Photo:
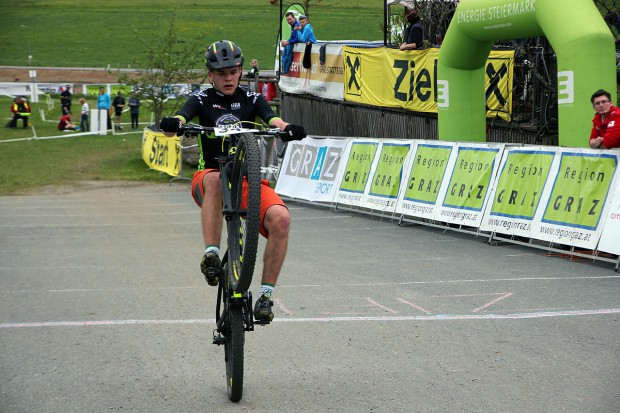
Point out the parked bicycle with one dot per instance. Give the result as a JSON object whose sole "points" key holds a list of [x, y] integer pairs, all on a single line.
{"points": [[239, 166]]}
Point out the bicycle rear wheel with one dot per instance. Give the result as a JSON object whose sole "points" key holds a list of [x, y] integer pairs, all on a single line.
{"points": [[235, 340], [243, 227]]}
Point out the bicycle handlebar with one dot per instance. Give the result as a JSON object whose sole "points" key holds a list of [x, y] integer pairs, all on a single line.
{"points": [[195, 129]]}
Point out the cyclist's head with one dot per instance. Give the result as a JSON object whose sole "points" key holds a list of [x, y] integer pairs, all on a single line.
{"points": [[225, 64], [223, 54]]}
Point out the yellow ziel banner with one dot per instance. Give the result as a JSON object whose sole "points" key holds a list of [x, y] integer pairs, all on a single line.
{"points": [[162, 153], [408, 79]]}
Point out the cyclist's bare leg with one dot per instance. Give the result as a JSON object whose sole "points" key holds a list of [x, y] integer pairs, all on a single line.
{"points": [[211, 210], [277, 223]]}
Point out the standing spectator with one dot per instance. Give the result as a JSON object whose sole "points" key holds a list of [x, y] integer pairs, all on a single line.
{"points": [[65, 124], [21, 110], [306, 32], [84, 124], [134, 109], [254, 68], [65, 100], [103, 103], [287, 53], [414, 34], [605, 132], [119, 104]]}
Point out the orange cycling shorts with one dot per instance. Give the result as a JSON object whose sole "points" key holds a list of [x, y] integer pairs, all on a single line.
{"points": [[268, 196]]}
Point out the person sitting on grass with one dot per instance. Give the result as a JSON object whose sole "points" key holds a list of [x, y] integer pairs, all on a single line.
{"points": [[65, 124]]}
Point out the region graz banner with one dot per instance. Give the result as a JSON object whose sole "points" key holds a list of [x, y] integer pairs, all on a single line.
{"points": [[162, 153], [361, 158], [425, 178], [408, 79], [516, 197], [577, 199], [469, 176]]}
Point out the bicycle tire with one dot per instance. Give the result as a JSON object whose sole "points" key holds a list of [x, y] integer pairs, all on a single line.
{"points": [[243, 231], [235, 340]]}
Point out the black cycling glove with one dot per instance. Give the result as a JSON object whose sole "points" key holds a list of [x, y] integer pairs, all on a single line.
{"points": [[295, 133], [170, 124]]}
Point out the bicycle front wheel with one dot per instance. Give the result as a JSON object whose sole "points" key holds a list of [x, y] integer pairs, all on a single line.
{"points": [[235, 340], [243, 227]]}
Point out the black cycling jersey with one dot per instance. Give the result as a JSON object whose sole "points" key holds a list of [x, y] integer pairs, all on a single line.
{"points": [[216, 109]]}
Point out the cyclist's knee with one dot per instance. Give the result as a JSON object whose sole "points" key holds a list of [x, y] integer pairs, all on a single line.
{"points": [[211, 183], [277, 220]]}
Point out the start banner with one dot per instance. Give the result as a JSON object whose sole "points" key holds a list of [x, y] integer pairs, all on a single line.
{"points": [[162, 153], [408, 79]]}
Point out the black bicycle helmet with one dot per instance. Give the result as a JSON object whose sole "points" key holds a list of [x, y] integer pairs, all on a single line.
{"points": [[222, 54]]}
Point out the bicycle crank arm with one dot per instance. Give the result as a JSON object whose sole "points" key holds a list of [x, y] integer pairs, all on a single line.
{"points": [[218, 338]]}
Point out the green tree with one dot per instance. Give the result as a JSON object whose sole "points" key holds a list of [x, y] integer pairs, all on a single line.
{"points": [[168, 60]]}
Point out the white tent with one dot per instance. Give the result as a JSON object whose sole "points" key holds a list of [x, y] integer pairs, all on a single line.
{"points": [[410, 4]]}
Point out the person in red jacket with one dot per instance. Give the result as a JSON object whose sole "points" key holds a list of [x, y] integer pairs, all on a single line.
{"points": [[606, 123], [65, 123]]}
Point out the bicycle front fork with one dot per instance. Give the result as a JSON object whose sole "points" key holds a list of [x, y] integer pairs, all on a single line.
{"points": [[233, 302]]}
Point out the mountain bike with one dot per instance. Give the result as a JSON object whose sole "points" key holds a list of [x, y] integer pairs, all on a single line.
{"points": [[240, 167]]}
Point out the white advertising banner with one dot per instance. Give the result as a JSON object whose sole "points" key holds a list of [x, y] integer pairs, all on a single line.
{"points": [[517, 193], [577, 200], [424, 178], [323, 78], [311, 169], [610, 237], [471, 174]]}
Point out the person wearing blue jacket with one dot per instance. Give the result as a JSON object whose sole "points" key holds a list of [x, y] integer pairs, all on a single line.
{"points": [[287, 53], [306, 33], [103, 103]]}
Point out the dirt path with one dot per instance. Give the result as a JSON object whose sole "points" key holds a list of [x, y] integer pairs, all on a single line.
{"points": [[75, 76]]}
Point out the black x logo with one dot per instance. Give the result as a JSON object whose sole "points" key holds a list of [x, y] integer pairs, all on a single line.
{"points": [[353, 67], [494, 83]]}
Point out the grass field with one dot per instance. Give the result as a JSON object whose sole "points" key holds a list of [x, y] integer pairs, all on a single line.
{"points": [[75, 33], [29, 163]]}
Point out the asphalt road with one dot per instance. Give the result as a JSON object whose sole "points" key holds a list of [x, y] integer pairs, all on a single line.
{"points": [[103, 309]]}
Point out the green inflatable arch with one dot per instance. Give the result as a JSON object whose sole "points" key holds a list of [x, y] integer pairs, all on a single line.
{"points": [[575, 29]]}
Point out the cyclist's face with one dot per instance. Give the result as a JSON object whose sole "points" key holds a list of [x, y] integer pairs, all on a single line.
{"points": [[225, 80]]}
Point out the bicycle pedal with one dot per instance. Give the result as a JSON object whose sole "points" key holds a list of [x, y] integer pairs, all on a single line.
{"points": [[262, 322], [219, 339]]}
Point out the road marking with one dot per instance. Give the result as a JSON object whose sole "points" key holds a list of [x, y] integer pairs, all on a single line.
{"points": [[585, 277], [373, 302], [490, 303], [282, 307], [82, 290], [437, 317], [417, 307], [478, 309]]}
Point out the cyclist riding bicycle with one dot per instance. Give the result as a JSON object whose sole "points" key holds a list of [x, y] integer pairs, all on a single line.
{"points": [[223, 105]]}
